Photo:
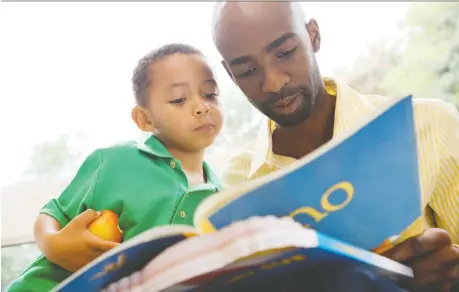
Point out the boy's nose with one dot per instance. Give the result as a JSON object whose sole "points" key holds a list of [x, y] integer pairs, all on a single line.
{"points": [[202, 110]]}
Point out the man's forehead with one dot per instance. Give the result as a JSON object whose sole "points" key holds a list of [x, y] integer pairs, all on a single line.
{"points": [[252, 11], [243, 22]]}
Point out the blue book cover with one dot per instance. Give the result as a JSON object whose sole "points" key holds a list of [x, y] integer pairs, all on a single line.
{"points": [[361, 189], [280, 269], [124, 260], [314, 255]]}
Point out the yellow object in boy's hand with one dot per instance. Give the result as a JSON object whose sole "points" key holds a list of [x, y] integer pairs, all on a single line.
{"points": [[106, 227]]}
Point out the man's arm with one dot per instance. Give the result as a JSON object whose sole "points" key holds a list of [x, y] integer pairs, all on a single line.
{"points": [[236, 170], [433, 256], [444, 200]]}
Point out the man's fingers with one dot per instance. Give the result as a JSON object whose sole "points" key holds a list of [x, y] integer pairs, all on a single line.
{"points": [[436, 268], [85, 218], [423, 244]]}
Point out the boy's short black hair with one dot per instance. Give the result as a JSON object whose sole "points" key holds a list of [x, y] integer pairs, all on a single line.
{"points": [[141, 79]]}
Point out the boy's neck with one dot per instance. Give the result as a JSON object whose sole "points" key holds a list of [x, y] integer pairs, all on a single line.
{"points": [[191, 161]]}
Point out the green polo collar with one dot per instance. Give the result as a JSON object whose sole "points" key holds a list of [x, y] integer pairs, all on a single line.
{"points": [[152, 145]]}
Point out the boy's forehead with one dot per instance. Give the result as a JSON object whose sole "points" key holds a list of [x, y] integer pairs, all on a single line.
{"points": [[181, 68]]}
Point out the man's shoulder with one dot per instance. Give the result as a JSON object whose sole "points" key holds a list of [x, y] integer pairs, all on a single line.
{"points": [[237, 168], [242, 157], [433, 106], [424, 108]]}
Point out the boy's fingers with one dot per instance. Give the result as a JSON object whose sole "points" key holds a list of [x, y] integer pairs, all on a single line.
{"points": [[106, 245], [100, 244], [85, 218]]}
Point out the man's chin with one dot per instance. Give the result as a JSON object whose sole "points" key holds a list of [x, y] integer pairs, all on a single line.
{"points": [[290, 120]]}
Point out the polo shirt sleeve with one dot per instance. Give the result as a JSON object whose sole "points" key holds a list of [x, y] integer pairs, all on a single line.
{"points": [[78, 195], [236, 171], [444, 200]]}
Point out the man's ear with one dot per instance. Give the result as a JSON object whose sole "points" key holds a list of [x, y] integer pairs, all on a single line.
{"points": [[314, 34], [142, 118], [228, 71]]}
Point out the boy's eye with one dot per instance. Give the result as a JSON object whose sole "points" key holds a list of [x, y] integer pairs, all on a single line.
{"points": [[178, 101], [247, 73], [286, 54], [213, 95]]}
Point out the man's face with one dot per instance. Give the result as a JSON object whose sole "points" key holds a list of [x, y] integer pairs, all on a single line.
{"points": [[268, 52]]}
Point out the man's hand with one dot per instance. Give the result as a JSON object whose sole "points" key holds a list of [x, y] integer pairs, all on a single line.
{"points": [[74, 246], [433, 258]]}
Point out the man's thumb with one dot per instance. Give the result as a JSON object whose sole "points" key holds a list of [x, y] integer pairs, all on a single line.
{"points": [[85, 218]]}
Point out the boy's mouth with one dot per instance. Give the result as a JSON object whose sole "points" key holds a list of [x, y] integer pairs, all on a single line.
{"points": [[205, 127]]}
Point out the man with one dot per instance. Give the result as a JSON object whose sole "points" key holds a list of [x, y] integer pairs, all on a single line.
{"points": [[269, 49]]}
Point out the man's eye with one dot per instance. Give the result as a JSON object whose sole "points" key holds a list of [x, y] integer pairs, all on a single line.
{"points": [[248, 72], [287, 54], [178, 101]]}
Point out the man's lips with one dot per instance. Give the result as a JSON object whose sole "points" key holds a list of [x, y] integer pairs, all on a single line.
{"points": [[286, 101]]}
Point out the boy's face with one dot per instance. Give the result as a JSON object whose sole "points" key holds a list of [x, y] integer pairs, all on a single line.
{"points": [[183, 102]]}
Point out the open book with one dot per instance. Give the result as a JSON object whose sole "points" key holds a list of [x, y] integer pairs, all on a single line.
{"points": [[353, 193]]}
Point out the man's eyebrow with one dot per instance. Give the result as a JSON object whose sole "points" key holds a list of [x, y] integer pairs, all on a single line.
{"points": [[271, 46], [240, 61], [280, 41]]}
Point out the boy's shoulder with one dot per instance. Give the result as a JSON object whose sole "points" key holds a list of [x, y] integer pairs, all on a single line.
{"points": [[135, 153], [128, 151], [124, 147]]}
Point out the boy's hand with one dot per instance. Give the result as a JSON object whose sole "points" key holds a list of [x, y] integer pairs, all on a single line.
{"points": [[74, 246]]}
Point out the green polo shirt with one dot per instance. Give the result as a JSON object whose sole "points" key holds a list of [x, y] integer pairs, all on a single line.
{"points": [[141, 182]]}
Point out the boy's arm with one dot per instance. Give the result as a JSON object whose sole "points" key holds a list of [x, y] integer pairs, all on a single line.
{"points": [[45, 226], [61, 229], [78, 195]]}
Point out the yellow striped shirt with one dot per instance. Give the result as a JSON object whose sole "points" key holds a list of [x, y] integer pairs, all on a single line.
{"points": [[437, 129]]}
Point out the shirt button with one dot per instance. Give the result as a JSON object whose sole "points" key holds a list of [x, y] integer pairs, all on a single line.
{"points": [[172, 164], [182, 214]]}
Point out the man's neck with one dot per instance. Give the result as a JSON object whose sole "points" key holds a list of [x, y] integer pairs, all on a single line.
{"points": [[309, 135]]}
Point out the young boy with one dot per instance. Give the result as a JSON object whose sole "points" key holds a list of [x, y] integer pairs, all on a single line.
{"points": [[158, 182]]}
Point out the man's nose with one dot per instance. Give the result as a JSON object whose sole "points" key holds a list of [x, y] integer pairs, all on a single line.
{"points": [[274, 81]]}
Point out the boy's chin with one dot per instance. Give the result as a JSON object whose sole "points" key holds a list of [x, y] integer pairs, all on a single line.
{"points": [[203, 144]]}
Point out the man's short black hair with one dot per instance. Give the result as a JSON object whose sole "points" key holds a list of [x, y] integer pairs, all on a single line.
{"points": [[141, 79]]}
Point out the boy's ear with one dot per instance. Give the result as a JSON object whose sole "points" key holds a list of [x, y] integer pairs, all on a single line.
{"points": [[142, 118], [228, 71]]}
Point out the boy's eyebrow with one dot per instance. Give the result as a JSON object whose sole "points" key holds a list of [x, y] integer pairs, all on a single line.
{"points": [[211, 80], [179, 84]]}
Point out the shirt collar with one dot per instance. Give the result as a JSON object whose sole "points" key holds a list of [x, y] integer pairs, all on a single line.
{"points": [[152, 145], [350, 107]]}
